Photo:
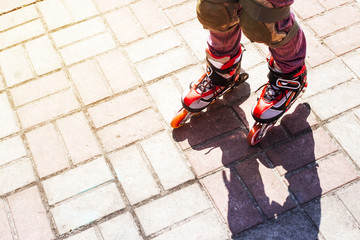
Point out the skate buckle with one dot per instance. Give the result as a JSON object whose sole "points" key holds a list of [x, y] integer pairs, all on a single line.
{"points": [[288, 84]]}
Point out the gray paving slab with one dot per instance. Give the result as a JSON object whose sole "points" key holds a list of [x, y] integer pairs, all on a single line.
{"points": [[335, 221], [88, 89]]}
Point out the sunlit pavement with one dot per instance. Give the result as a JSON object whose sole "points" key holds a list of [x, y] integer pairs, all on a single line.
{"points": [[88, 89]]}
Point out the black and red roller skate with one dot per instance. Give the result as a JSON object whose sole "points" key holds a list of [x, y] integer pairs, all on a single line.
{"points": [[222, 74], [277, 96]]}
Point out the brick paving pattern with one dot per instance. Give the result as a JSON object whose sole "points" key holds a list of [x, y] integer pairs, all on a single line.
{"points": [[88, 89]]}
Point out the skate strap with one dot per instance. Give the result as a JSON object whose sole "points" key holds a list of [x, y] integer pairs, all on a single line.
{"points": [[216, 78], [285, 82], [264, 14]]}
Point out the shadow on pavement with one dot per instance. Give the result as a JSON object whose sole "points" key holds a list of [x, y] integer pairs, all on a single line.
{"points": [[260, 191]]}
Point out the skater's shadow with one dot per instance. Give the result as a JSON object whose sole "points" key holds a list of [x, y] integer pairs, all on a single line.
{"points": [[265, 187]]}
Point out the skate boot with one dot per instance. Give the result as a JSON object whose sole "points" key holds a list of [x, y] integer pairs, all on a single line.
{"points": [[277, 96], [222, 74]]}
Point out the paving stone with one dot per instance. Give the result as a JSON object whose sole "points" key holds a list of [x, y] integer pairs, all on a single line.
{"points": [[335, 221], [17, 17], [109, 58], [252, 57], [349, 196], [344, 41], [204, 227], [166, 63], [302, 151], [45, 144], [149, 16], [15, 66], [106, 5], [39, 88], [172, 208], [328, 4], [89, 82], [123, 21], [119, 107], [346, 130], [167, 162], [304, 11], [43, 55], [298, 118], [87, 48], [115, 64], [351, 61], [29, 215], [317, 52], [77, 180], [55, 13], [7, 6], [329, 174], [153, 45], [86, 208], [78, 32], [130, 130], [206, 126], [267, 188], [232, 201], [120, 227], [21, 33], [89, 234], [357, 113], [47, 108], [335, 73], [222, 152], [243, 108], [8, 122], [291, 225], [133, 174], [5, 230], [274, 136], [346, 98], [237, 95], [188, 75], [169, 3], [2, 83], [334, 20], [81, 9], [195, 36], [78, 137], [166, 95], [187, 10], [11, 149], [15, 175]]}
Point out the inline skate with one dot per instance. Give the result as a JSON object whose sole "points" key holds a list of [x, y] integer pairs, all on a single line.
{"points": [[277, 96], [222, 75]]}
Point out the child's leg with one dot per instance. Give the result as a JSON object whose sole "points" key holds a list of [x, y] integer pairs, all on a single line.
{"points": [[225, 43], [286, 77], [223, 67], [291, 56]]}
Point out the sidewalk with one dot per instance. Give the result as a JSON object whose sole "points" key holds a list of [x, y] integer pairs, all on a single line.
{"points": [[88, 89]]}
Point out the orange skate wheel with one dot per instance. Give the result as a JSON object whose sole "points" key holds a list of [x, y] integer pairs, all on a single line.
{"points": [[253, 136], [179, 118]]}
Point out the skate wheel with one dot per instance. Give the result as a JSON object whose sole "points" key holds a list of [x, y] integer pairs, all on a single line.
{"points": [[253, 136], [179, 118]]}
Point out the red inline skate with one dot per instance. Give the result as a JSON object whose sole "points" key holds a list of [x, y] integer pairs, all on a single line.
{"points": [[277, 96], [222, 75]]}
